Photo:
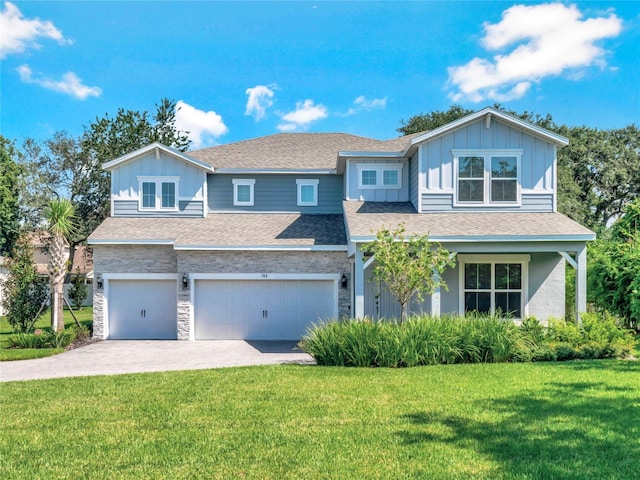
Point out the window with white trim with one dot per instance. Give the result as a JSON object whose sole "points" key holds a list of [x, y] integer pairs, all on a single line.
{"points": [[379, 175], [307, 192], [487, 178], [158, 193], [243, 191], [493, 284]]}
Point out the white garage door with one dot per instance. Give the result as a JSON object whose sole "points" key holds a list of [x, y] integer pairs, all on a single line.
{"points": [[260, 309], [142, 309]]}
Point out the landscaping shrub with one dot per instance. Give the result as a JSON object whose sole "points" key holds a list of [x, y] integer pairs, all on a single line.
{"points": [[44, 338], [425, 340]]}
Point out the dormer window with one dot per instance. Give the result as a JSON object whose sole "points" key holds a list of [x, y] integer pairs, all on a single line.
{"points": [[487, 177], [158, 193], [379, 175], [307, 192]]}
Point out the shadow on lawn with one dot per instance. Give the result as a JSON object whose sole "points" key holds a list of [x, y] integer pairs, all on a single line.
{"points": [[569, 430]]}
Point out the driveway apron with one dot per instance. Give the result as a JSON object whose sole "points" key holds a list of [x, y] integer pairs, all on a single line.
{"points": [[112, 357]]}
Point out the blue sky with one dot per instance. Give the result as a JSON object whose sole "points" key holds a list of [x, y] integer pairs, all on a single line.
{"points": [[241, 70]]}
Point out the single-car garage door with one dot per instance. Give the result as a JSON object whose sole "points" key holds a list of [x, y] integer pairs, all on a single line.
{"points": [[260, 309], [142, 309]]}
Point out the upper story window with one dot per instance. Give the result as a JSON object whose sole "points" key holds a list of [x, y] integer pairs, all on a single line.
{"points": [[307, 192], [158, 193], [243, 191], [487, 177], [379, 175]]}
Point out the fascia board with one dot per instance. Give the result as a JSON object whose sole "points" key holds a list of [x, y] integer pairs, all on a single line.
{"points": [[292, 171], [130, 242], [283, 248], [493, 238]]}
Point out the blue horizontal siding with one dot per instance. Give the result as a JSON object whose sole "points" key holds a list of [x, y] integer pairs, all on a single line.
{"points": [[443, 202], [276, 193], [129, 208]]}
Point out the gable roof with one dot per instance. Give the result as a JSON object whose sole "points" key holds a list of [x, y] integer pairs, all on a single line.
{"points": [[364, 219], [156, 146]]}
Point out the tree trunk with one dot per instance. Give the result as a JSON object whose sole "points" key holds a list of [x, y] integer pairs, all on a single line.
{"points": [[57, 308], [57, 271]]}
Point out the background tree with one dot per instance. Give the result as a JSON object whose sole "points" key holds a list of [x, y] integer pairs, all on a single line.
{"points": [[24, 291], [409, 267], [10, 173], [78, 292], [432, 120], [60, 215]]}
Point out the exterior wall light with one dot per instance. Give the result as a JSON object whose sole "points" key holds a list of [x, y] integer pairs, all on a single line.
{"points": [[99, 281], [185, 281], [343, 281]]}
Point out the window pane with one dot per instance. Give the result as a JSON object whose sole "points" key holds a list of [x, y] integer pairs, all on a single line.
{"points": [[471, 167], [470, 191], [504, 190], [515, 276], [477, 276], [478, 301], [509, 303], [369, 177], [243, 193], [504, 167], [148, 194], [508, 276], [168, 195], [390, 177], [502, 276], [307, 194]]}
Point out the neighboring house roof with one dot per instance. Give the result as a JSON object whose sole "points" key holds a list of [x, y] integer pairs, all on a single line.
{"points": [[285, 151], [225, 231], [364, 219], [155, 147]]}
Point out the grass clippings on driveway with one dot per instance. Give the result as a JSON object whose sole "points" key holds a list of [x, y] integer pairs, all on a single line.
{"points": [[558, 420]]}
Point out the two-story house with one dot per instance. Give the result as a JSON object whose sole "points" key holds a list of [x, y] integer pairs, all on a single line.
{"points": [[260, 238]]}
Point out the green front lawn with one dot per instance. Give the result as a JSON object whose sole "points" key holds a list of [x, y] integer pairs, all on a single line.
{"points": [[84, 316], [570, 420]]}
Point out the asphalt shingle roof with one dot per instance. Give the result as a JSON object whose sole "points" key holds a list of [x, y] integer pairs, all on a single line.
{"points": [[292, 150], [226, 229], [364, 219]]}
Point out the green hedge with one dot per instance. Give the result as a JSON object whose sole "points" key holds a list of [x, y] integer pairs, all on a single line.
{"points": [[424, 340]]}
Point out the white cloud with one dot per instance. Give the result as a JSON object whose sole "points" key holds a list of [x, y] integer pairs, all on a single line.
{"points": [[305, 113], [260, 98], [70, 83], [545, 40], [203, 127], [361, 103], [17, 33]]}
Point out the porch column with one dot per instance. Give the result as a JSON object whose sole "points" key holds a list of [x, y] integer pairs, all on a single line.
{"points": [[358, 284], [581, 281], [435, 297]]}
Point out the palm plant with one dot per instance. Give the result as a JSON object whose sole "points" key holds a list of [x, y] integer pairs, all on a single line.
{"points": [[60, 216]]}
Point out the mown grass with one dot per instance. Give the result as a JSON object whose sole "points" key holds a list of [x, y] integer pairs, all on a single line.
{"points": [[569, 420], [84, 316]]}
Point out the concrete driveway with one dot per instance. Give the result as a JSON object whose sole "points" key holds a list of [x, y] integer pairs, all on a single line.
{"points": [[111, 357]]}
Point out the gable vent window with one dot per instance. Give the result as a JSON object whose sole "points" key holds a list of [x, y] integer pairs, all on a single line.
{"points": [[158, 193], [379, 175], [487, 178], [307, 192], [243, 191]]}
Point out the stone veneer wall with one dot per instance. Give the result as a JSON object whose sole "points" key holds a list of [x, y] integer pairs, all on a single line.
{"points": [[126, 259], [258, 262], [163, 259]]}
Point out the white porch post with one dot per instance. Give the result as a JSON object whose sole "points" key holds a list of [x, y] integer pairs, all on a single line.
{"points": [[435, 297], [358, 283], [581, 281]]}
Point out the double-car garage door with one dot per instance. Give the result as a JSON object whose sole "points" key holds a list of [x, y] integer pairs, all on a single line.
{"points": [[260, 309], [223, 309]]}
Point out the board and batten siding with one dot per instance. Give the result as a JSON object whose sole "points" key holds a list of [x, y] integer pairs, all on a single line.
{"points": [[376, 194], [536, 169], [275, 193], [414, 180], [125, 185]]}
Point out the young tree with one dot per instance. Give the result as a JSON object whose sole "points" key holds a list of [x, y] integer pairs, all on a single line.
{"points": [[10, 173], [409, 267], [78, 292], [24, 291], [60, 215]]}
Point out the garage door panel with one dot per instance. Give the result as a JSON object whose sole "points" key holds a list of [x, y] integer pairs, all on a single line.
{"points": [[142, 309], [260, 309]]}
